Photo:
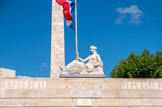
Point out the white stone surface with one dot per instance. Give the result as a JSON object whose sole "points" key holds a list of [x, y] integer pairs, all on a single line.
{"points": [[84, 102], [90, 65], [85, 93], [7, 73], [57, 40], [79, 92]]}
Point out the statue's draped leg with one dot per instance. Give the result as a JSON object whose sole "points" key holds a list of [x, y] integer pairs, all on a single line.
{"points": [[75, 67]]}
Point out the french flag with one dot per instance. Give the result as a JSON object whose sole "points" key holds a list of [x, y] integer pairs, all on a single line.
{"points": [[69, 12]]}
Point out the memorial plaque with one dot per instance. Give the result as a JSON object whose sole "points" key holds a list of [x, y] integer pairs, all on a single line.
{"points": [[85, 93], [84, 102]]}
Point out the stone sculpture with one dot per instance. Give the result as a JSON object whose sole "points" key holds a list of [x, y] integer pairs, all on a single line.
{"points": [[91, 65]]}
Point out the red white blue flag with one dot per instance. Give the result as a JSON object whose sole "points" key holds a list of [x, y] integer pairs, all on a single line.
{"points": [[69, 12]]}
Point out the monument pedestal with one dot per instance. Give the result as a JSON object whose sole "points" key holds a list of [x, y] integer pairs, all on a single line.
{"points": [[82, 76], [80, 93]]}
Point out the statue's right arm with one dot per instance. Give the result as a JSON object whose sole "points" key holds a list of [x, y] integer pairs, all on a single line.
{"points": [[84, 60]]}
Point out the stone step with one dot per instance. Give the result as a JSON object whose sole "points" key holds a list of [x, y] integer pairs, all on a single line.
{"points": [[79, 93], [81, 102]]}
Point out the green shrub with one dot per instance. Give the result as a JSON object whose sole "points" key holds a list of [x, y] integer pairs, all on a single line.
{"points": [[143, 65]]}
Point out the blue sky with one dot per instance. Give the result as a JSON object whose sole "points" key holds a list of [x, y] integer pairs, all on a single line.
{"points": [[116, 27]]}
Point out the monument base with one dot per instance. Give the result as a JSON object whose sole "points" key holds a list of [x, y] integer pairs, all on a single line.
{"points": [[80, 93], [82, 76]]}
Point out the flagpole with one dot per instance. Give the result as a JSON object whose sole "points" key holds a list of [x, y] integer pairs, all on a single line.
{"points": [[76, 30]]}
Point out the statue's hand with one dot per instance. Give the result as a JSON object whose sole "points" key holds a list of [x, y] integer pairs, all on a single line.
{"points": [[77, 53], [77, 56]]}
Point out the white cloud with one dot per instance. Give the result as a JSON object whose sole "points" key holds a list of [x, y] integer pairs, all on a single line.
{"points": [[133, 12], [23, 77], [43, 66]]}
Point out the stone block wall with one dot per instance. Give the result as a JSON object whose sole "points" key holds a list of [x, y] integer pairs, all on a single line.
{"points": [[7, 73], [57, 40], [82, 93]]}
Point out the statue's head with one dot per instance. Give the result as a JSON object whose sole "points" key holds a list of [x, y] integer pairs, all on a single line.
{"points": [[93, 49]]}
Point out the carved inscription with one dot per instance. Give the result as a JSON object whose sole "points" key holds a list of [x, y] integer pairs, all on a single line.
{"points": [[141, 85], [85, 93], [23, 85], [31, 104], [84, 102], [18, 104], [80, 85]]}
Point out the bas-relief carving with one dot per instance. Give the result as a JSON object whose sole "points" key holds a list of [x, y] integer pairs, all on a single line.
{"points": [[91, 65], [142, 85]]}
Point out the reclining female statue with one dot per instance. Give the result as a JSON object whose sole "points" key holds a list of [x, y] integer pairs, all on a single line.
{"points": [[94, 64]]}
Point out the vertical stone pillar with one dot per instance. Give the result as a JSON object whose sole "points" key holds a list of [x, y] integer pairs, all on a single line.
{"points": [[57, 40]]}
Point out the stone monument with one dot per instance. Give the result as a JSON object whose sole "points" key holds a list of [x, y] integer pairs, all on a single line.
{"points": [[93, 69], [77, 92], [77, 68], [57, 40], [80, 93]]}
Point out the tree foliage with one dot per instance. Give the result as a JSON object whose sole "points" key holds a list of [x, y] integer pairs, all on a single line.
{"points": [[143, 65]]}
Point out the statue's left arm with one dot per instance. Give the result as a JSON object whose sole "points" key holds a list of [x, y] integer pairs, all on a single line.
{"points": [[99, 61]]}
